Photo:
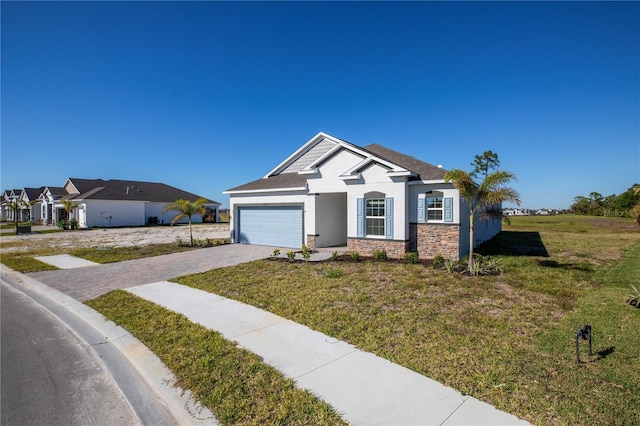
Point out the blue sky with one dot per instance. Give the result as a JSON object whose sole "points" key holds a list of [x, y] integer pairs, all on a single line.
{"points": [[205, 96]]}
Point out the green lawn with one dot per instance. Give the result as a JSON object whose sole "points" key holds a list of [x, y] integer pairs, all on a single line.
{"points": [[506, 339]]}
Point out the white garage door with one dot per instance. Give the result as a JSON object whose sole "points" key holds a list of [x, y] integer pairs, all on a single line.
{"points": [[278, 226]]}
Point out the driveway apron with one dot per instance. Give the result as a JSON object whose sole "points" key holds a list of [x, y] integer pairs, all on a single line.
{"points": [[90, 282]]}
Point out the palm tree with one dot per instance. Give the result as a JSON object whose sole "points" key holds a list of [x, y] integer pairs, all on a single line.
{"points": [[69, 206], [16, 208], [186, 208], [485, 198]]}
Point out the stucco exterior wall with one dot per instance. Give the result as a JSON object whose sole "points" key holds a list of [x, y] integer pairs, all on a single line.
{"points": [[107, 213], [153, 209]]}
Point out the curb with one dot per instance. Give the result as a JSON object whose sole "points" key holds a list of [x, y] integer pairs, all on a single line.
{"points": [[180, 403]]}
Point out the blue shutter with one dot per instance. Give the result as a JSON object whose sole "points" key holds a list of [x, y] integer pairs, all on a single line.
{"points": [[448, 209], [360, 211], [388, 211], [421, 212]]}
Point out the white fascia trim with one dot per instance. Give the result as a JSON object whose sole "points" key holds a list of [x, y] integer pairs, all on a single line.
{"points": [[395, 170], [392, 166], [308, 171], [394, 173], [358, 166], [426, 182], [256, 191], [304, 148], [350, 177]]}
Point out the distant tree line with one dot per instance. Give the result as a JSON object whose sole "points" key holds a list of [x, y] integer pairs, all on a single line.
{"points": [[623, 205]]}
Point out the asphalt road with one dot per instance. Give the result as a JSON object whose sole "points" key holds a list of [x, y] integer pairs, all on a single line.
{"points": [[50, 376]]}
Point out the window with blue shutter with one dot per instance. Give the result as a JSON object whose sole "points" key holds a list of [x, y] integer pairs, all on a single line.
{"points": [[360, 214], [448, 209], [389, 218], [421, 213]]}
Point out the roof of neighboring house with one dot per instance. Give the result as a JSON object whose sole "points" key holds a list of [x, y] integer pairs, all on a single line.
{"points": [[425, 171], [287, 180], [33, 193], [422, 170], [128, 190], [56, 190]]}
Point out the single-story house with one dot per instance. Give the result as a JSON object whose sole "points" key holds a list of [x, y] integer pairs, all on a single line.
{"points": [[30, 204], [107, 203], [332, 193], [9, 196], [48, 198]]}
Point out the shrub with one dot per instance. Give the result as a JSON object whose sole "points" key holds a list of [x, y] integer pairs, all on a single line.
{"points": [[485, 265], [306, 253], [179, 242], [276, 252], [291, 255], [334, 256], [411, 257], [73, 223], [380, 254], [62, 224], [450, 265], [438, 260], [355, 256], [634, 297], [333, 273]]}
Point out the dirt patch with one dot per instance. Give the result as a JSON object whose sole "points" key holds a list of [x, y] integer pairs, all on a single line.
{"points": [[112, 237]]}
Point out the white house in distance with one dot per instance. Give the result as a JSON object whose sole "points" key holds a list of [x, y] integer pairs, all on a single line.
{"points": [[125, 203], [101, 203], [333, 193]]}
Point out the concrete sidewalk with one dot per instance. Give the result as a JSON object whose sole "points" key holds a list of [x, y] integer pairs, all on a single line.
{"points": [[363, 388]]}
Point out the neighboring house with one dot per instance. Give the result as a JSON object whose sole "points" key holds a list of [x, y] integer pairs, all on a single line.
{"points": [[49, 196], [113, 202], [516, 212], [333, 193], [9, 197], [31, 210]]}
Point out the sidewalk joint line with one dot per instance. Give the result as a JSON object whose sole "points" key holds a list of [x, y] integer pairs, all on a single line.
{"points": [[456, 409], [325, 364]]}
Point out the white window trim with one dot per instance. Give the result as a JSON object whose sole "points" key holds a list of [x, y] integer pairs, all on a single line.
{"points": [[440, 209], [383, 217]]}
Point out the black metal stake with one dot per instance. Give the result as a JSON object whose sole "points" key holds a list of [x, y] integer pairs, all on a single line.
{"points": [[585, 333]]}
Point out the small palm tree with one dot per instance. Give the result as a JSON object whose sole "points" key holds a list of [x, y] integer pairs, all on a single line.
{"points": [[186, 208], [69, 206], [16, 207], [485, 198]]}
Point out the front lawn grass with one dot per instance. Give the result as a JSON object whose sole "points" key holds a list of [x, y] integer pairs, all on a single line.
{"points": [[232, 382], [507, 340]]}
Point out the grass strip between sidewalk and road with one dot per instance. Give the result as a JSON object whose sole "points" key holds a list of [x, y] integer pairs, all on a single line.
{"points": [[232, 382]]}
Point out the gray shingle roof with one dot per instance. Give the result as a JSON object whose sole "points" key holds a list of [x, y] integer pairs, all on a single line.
{"points": [[287, 180], [425, 171], [34, 193], [130, 190]]}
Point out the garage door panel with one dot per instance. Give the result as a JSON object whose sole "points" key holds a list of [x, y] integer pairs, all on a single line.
{"points": [[279, 226]]}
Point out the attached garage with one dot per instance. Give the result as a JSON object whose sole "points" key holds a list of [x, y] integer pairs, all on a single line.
{"points": [[278, 226]]}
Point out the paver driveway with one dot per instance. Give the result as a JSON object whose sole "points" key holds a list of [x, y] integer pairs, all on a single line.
{"points": [[89, 282]]}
